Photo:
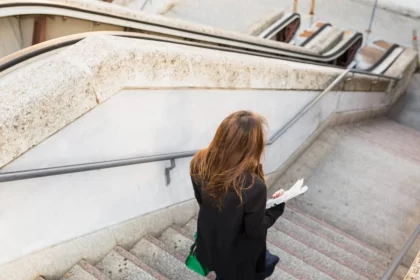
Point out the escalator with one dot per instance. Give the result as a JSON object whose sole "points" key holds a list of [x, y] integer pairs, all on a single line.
{"points": [[50, 20]]}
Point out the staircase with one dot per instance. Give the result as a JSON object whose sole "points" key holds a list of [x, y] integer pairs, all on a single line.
{"points": [[308, 249], [316, 238]]}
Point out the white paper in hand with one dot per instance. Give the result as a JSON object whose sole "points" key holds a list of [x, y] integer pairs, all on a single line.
{"points": [[293, 192]]}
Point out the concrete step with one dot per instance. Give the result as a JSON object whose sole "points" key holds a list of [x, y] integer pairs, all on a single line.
{"points": [[117, 267], [177, 241], [162, 258], [329, 249], [337, 237], [311, 256], [395, 138], [191, 227], [295, 266], [289, 266], [78, 273], [279, 274], [132, 258]]}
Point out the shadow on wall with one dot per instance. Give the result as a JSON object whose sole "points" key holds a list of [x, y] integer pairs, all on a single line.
{"points": [[407, 110]]}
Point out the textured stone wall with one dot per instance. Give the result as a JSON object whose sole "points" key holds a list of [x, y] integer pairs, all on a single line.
{"points": [[414, 272]]}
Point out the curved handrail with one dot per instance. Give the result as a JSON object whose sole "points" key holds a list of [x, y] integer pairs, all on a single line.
{"points": [[313, 35], [384, 56], [398, 259], [251, 43], [59, 170]]}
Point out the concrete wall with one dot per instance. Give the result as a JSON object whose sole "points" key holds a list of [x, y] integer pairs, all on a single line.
{"points": [[135, 123], [169, 99]]}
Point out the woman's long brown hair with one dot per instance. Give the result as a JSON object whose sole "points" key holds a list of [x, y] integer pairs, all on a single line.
{"points": [[232, 155]]}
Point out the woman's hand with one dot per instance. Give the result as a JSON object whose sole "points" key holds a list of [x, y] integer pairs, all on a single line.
{"points": [[278, 193]]}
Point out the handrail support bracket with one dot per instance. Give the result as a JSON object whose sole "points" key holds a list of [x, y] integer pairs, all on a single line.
{"points": [[168, 171]]}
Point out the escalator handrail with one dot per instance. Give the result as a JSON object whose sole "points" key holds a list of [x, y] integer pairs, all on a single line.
{"points": [[276, 27], [383, 57]]}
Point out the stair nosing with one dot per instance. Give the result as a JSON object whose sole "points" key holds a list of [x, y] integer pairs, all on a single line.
{"points": [[338, 231], [139, 263], [180, 257], [92, 270], [337, 243], [323, 252], [320, 268]]}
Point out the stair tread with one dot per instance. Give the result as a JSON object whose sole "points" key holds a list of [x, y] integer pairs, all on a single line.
{"points": [[279, 274], [335, 236], [177, 241], [117, 267], [78, 273], [295, 266], [311, 256], [157, 255], [329, 249], [139, 263]]}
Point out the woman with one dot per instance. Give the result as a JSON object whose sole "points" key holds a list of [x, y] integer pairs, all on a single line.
{"points": [[229, 186]]}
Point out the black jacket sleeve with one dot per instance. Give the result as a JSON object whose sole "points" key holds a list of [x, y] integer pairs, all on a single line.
{"points": [[256, 218], [197, 192]]}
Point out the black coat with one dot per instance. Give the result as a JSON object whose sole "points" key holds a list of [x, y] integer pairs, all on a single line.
{"points": [[232, 241]]}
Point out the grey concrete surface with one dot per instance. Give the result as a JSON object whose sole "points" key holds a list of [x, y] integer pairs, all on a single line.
{"points": [[407, 110], [367, 183]]}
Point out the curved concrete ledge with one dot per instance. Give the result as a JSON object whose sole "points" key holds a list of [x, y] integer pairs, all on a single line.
{"points": [[125, 13], [38, 102]]}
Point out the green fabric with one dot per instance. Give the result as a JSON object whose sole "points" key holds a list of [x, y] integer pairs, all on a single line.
{"points": [[192, 262]]}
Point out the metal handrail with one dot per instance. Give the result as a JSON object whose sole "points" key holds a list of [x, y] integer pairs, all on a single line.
{"points": [[59, 170], [397, 261]]}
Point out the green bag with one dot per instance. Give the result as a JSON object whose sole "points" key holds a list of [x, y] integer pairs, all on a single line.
{"points": [[192, 262]]}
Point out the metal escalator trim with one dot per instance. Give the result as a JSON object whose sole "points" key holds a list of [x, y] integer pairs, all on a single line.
{"points": [[277, 28], [386, 54], [313, 35], [277, 51], [139, 36]]}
